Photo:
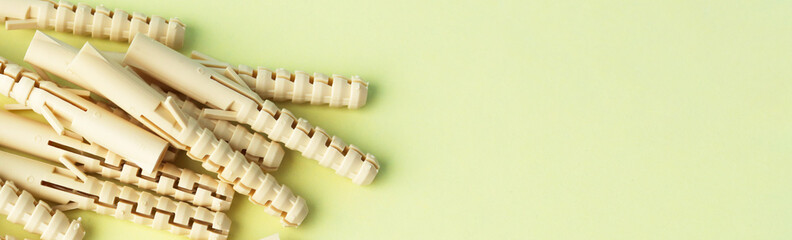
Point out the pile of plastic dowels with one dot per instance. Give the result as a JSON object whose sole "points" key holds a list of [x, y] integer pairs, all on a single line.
{"points": [[135, 111]]}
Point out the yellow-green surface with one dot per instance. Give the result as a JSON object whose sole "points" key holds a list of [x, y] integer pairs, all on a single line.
{"points": [[518, 119]]}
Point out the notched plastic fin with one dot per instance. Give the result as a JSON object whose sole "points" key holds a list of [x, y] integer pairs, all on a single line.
{"points": [[231, 74], [80, 92], [219, 114], [73, 168], [52, 120], [41, 72], [16, 107], [67, 207], [170, 105], [208, 61], [66, 95], [74, 135], [21, 24], [239, 87]]}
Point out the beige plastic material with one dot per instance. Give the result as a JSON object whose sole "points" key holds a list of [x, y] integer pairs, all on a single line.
{"points": [[65, 110], [170, 154], [61, 53], [82, 19], [297, 87], [233, 101], [60, 186], [163, 116], [49, 54], [37, 217], [255, 146], [38, 139]]}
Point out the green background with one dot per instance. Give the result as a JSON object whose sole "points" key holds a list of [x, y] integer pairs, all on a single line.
{"points": [[517, 119]]}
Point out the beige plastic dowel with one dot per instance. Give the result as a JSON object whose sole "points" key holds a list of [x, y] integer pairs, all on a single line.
{"points": [[64, 110], [49, 54], [254, 145], [161, 115], [37, 55], [37, 217], [82, 19], [232, 101], [298, 87], [170, 154], [60, 186], [38, 139], [256, 148]]}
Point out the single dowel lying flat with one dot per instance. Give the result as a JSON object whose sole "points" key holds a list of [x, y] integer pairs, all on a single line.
{"points": [[82, 19], [297, 87]]}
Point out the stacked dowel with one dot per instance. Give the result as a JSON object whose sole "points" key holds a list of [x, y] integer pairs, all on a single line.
{"points": [[157, 101]]}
